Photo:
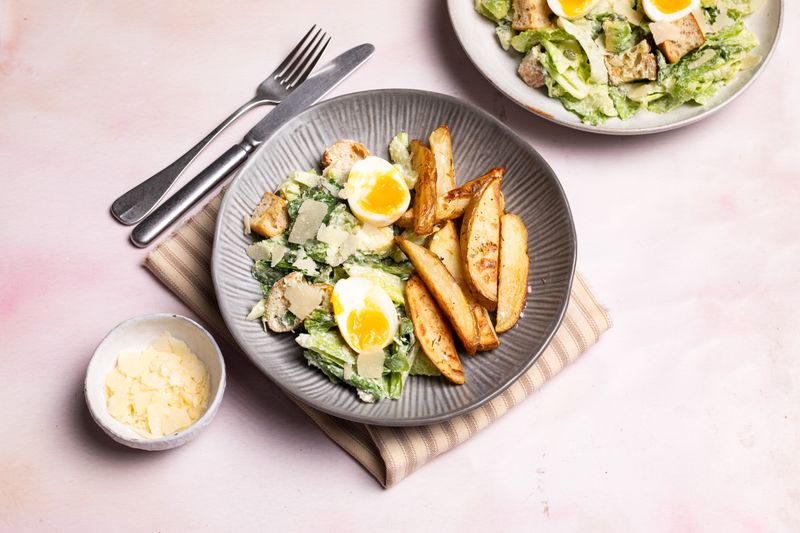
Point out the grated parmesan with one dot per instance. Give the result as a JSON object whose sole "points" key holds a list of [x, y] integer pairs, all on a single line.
{"points": [[309, 218]]}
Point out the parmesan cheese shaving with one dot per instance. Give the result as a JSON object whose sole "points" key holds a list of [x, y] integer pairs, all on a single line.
{"points": [[370, 363], [305, 263], [665, 31], [347, 371], [246, 221], [334, 238], [303, 298], [625, 8], [309, 218], [258, 251], [278, 251]]}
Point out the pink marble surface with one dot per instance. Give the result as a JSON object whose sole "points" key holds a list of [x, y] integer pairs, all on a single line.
{"points": [[684, 418]]}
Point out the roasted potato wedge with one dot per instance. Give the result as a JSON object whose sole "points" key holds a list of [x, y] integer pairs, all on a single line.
{"points": [[445, 290], [480, 244], [442, 148], [432, 331], [445, 244], [270, 217], [423, 161], [453, 204], [512, 288]]}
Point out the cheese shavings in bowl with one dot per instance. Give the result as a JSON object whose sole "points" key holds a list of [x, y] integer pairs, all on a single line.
{"points": [[159, 391], [155, 381]]}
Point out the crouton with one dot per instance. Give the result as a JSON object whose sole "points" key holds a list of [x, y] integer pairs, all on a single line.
{"points": [[531, 71], [270, 217], [636, 63], [691, 37], [530, 15], [278, 304], [340, 157]]}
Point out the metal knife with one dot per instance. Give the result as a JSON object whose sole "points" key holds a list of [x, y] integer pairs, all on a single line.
{"points": [[304, 96]]}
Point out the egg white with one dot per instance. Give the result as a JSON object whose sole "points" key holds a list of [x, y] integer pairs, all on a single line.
{"points": [[656, 15], [354, 293], [557, 8], [360, 182]]}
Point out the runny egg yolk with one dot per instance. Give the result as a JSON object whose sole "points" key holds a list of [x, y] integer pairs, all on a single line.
{"points": [[368, 327], [671, 6], [385, 196], [573, 8]]}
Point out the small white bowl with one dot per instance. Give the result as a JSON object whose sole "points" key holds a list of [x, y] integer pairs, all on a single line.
{"points": [[137, 334]]}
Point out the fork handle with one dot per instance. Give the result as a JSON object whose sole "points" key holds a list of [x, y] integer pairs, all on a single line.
{"points": [[180, 202], [132, 206]]}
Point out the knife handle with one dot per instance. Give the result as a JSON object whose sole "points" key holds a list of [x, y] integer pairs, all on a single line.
{"points": [[132, 206], [188, 195]]}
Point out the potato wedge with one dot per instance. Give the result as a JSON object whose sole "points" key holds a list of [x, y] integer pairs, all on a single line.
{"points": [[270, 217], [423, 161], [480, 244], [445, 290], [512, 289], [453, 204], [432, 331], [445, 244], [442, 148]]}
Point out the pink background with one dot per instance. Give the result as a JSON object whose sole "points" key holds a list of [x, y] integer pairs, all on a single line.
{"points": [[684, 417]]}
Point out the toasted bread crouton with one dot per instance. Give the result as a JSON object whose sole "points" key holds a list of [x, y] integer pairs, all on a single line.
{"points": [[531, 71], [691, 37], [278, 303], [530, 15], [270, 217], [636, 63], [340, 157]]}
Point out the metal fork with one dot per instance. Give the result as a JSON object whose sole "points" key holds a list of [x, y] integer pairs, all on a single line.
{"points": [[132, 206]]}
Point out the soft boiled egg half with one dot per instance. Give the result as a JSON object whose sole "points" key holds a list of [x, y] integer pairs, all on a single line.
{"points": [[364, 313], [669, 10], [571, 9], [376, 192]]}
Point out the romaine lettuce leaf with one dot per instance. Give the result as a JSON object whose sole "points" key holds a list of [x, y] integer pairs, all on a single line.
{"points": [[493, 9]]}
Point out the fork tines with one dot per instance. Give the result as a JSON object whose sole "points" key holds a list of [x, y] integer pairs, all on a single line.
{"points": [[302, 60]]}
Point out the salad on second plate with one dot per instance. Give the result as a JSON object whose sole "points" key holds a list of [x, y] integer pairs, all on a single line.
{"points": [[366, 262], [613, 58]]}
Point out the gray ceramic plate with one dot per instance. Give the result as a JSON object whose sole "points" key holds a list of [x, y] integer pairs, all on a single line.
{"points": [[477, 37], [480, 142]]}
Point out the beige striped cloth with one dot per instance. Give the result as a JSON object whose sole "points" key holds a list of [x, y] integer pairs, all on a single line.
{"points": [[389, 454]]}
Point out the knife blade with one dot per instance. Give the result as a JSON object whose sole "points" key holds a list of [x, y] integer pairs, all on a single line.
{"points": [[309, 92]]}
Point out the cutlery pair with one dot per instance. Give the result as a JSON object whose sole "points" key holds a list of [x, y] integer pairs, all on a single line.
{"points": [[289, 86]]}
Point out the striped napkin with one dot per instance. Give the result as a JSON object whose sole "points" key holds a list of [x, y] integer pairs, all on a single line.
{"points": [[389, 454]]}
